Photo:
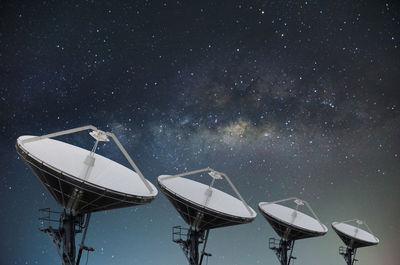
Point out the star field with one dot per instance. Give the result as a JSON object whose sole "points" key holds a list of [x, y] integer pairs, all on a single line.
{"points": [[289, 98]]}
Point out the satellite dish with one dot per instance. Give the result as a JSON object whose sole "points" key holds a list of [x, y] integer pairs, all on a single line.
{"points": [[291, 225], [82, 181], [354, 237], [203, 207]]}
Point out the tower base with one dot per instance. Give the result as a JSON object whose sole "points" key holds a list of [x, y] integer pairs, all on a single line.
{"points": [[190, 240], [349, 254], [62, 232], [282, 248]]}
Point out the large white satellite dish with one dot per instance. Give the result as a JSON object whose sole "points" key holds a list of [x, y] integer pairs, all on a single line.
{"points": [[65, 171], [82, 182], [354, 237], [203, 207], [291, 225]]}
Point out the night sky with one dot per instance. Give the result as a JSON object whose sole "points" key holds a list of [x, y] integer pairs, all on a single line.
{"points": [[289, 98]]}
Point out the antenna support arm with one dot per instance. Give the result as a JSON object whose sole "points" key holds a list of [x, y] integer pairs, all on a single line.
{"points": [[51, 135], [125, 153]]}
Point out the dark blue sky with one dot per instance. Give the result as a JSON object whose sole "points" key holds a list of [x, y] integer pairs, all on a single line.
{"points": [[289, 98]]}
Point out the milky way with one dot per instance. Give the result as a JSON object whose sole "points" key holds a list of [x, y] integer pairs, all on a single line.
{"points": [[289, 98]]}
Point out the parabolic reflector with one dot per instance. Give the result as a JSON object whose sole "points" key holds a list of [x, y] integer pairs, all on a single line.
{"points": [[354, 237], [80, 180], [289, 223], [203, 206]]}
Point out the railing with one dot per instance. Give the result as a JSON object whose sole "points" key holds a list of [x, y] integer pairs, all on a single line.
{"points": [[342, 250], [273, 243], [51, 219], [48, 218], [177, 234]]}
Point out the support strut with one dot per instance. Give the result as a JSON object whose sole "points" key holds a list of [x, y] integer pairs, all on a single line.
{"points": [[82, 246]]}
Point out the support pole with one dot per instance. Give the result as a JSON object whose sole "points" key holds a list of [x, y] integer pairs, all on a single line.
{"points": [[284, 252], [194, 246], [67, 233]]}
